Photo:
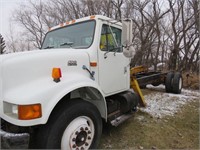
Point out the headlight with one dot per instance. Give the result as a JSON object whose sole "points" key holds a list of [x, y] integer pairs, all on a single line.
{"points": [[10, 109], [23, 112]]}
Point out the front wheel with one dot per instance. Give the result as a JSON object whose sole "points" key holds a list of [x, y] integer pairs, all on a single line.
{"points": [[78, 125]]}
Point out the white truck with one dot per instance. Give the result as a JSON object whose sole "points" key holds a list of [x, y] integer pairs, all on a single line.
{"points": [[62, 93]]}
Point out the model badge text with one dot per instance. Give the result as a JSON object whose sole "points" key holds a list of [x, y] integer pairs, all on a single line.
{"points": [[72, 63]]}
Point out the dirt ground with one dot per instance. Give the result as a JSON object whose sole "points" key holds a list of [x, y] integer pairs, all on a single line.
{"points": [[178, 129]]}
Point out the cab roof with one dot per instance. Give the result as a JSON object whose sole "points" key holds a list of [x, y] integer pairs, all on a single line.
{"points": [[93, 17]]}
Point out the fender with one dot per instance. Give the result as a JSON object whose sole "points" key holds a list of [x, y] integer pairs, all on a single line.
{"points": [[49, 94], [82, 82]]}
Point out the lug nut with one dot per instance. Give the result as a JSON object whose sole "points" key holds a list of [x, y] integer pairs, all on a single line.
{"points": [[82, 129], [86, 128], [74, 139], [74, 146], [89, 138], [86, 144], [82, 148], [77, 148], [89, 132], [76, 132]]}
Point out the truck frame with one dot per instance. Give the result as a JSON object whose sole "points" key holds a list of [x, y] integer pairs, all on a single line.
{"points": [[81, 77]]}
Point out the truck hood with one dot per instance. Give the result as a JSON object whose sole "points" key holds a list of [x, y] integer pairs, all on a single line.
{"points": [[19, 69]]}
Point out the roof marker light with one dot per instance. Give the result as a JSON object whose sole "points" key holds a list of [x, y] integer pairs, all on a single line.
{"points": [[67, 22], [62, 24], [92, 17], [73, 21]]}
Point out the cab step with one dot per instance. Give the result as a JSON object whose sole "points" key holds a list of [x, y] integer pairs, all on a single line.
{"points": [[117, 121]]}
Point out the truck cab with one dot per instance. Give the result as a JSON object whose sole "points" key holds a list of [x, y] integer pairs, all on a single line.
{"points": [[61, 93], [100, 38]]}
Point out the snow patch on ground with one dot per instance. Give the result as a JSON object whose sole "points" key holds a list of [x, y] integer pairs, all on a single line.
{"points": [[161, 104]]}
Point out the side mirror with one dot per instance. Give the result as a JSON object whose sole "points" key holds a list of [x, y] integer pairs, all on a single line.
{"points": [[127, 33], [129, 52], [127, 36]]}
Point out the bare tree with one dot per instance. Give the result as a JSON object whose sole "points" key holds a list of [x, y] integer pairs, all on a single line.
{"points": [[62, 10], [19, 41], [2, 45], [31, 18], [160, 34], [118, 5], [148, 16], [184, 37]]}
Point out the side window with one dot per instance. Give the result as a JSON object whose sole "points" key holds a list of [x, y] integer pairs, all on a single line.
{"points": [[110, 39]]}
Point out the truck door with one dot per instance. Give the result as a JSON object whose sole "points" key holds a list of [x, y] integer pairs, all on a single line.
{"points": [[113, 65]]}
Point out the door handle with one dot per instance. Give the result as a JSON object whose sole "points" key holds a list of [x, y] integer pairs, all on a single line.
{"points": [[125, 70]]}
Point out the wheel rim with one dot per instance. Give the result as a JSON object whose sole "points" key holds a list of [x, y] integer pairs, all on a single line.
{"points": [[180, 84], [79, 134]]}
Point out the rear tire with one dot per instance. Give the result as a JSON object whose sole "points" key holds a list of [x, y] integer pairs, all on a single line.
{"points": [[75, 125], [168, 82], [177, 83], [156, 83]]}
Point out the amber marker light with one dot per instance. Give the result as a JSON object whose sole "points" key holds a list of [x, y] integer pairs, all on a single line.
{"points": [[93, 64], [67, 22], [73, 21], [28, 112], [56, 74], [92, 17], [62, 24]]}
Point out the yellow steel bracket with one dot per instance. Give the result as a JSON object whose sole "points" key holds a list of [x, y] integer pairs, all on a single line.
{"points": [[138, 69], [135, 86]]}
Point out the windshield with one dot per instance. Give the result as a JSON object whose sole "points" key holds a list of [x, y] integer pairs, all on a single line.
{"points": [[78, 35]]}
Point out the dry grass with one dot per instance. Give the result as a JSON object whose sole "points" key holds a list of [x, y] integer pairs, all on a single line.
{"points": [[191, 81], [144, 132]]}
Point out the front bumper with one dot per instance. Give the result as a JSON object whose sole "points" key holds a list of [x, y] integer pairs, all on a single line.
{"points": [[13, 140]]}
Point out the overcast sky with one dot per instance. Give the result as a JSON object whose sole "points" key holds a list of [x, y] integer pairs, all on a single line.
{"points": [[6, 9]]}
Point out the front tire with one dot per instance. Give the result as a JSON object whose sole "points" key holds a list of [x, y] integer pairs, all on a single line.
{"points": [[77, 125]]}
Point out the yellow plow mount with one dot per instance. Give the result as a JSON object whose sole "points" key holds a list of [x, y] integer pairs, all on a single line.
{"points": [[134, 84]]}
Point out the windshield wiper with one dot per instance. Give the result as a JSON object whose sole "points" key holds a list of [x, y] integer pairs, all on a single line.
{"points": [[67, 43], [48, 47]]}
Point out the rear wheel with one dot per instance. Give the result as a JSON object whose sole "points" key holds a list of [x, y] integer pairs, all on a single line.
{"points": [[156, 83], [78, 125], [169, 82], [177, 83]]}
